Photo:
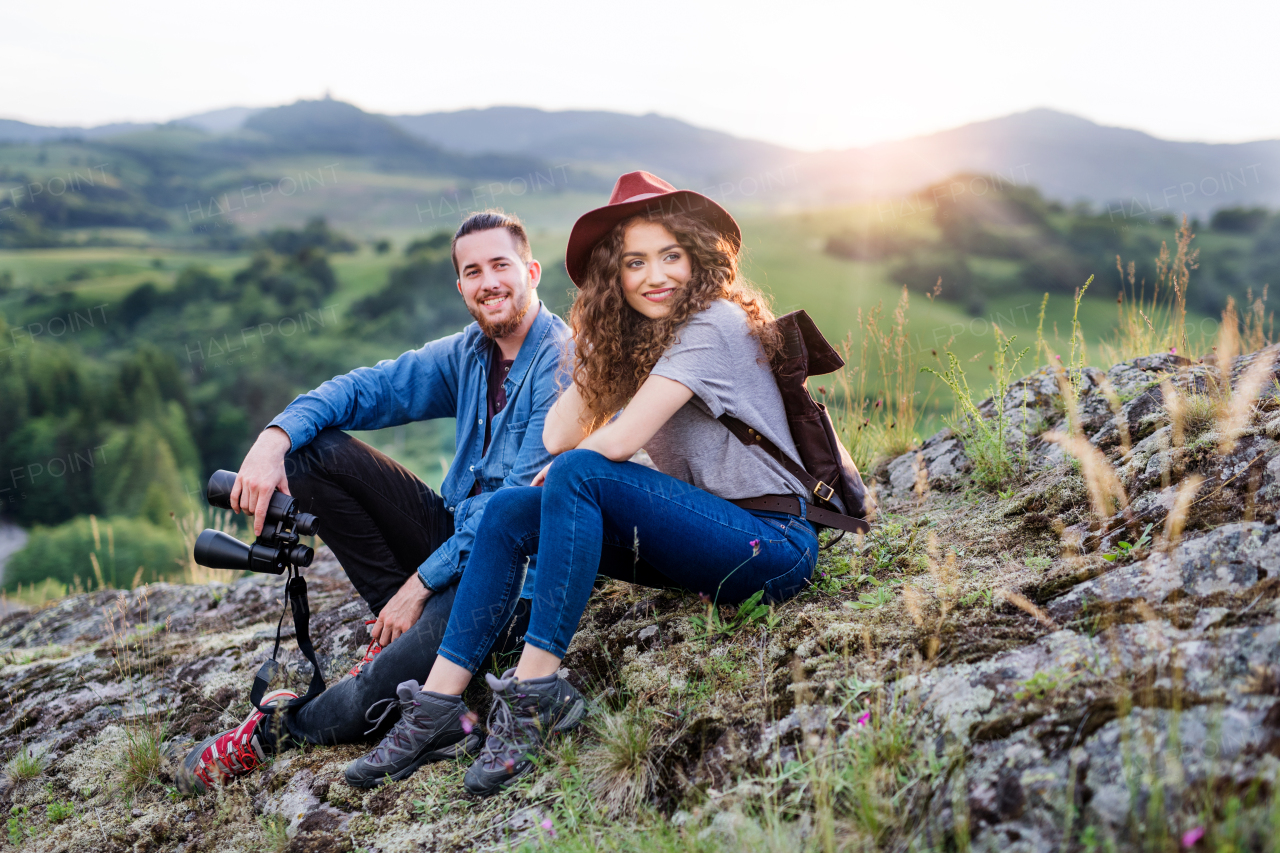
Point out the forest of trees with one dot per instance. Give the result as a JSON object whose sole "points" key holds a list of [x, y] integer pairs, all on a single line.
{"points": [[125, 419]]}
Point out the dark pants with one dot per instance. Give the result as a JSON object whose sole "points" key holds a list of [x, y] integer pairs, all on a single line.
{"points": [[381, 522]]}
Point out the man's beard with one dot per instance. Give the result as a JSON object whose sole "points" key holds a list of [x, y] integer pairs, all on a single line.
{"points": [[521, 300]]}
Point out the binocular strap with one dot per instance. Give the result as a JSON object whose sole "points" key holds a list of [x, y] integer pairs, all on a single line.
{"points": [[296, 601]]}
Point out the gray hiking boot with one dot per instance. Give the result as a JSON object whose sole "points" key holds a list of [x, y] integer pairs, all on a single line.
{"points": [[524, 715], [431, 727]]}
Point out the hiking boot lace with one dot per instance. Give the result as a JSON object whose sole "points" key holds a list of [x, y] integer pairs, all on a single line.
{"points": [[397, 739], [503, 746]]}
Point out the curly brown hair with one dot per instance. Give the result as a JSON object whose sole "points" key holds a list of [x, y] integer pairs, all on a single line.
{"points": [[616, 346]]}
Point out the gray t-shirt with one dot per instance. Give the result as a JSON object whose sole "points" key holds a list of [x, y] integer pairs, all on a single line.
{"points": [[715, 356]]}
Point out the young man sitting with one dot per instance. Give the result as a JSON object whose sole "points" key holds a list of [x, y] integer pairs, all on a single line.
{"points": [[402, 545]]}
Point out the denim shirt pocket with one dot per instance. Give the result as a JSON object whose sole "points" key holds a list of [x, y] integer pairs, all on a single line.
{"points": [[512, 441]]}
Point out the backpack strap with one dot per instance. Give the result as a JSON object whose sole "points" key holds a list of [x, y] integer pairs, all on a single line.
{"points": [[815, 487], [790, 505]]}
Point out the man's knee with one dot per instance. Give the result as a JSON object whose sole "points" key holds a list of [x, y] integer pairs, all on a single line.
{"points": [[316, 457], [513, 508]]}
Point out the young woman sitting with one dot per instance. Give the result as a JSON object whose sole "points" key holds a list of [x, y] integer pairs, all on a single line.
{"points": [[668, 336]]}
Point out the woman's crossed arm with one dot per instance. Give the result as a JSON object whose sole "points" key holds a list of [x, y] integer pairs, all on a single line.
{"points": [[653, 405]]}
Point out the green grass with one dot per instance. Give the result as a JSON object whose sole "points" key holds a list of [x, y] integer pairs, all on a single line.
{"points": [[28, 763]]}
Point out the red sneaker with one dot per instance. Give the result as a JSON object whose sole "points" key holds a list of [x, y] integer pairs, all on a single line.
{"points": [[231, 753], [369, 653]]}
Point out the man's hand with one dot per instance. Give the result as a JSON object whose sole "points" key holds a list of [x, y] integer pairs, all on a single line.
{"points": [[261, 473], [541, 477], [401, 612]]}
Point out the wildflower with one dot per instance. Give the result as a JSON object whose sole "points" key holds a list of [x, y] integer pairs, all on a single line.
{"points": [[864, 719], [1191, 836], [706, 599], [468, 721], [546, 824], [1174, 351], [1058, 357], [755, 547]]}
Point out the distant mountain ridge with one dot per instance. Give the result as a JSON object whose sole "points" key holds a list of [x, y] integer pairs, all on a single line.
{"points": [[666, 146], [1126, 172], [20, 131], [335, 127]]}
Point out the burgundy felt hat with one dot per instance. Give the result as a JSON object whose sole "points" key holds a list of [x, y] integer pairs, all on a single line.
{"points": [[640, 192]]}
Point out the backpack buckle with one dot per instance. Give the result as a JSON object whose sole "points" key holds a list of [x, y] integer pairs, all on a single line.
{"points": [[824, 492]]}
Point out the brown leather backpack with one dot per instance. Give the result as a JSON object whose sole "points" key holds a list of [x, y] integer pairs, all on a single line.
{"points": [[837, 497]]}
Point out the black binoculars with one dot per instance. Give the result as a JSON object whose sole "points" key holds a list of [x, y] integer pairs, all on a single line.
{"points": [[274, 552]]}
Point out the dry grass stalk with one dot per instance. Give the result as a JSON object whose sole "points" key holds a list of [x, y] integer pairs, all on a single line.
{"points": [[1025, 605], [1067, 391], [875, 426], [921, 487], [1100, 477], [1251, 495], [1177, 519], [1175, 405], [1228, 344], [1160, 323], [944, 572], [1113, 401], [135, 651], [913, 598], [1258, 328], [190, 526], [1235, 414]]}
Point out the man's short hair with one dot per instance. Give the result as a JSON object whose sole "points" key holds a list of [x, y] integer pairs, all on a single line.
{"points": [[488, 220]]}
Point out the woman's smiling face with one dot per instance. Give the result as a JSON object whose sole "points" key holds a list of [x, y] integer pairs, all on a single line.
{"points": [[654, 266]]}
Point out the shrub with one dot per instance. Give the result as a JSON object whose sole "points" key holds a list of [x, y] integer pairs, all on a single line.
{"points": [[124, 549]]}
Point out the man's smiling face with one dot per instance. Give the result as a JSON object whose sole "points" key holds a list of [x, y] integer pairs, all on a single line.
{"points": [[496, 284]]}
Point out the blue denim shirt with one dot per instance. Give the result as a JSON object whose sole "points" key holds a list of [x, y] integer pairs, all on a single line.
{"points": [[449, 378]]}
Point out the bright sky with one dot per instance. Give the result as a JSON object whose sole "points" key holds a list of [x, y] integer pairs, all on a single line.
{"points": [[803, 73]]}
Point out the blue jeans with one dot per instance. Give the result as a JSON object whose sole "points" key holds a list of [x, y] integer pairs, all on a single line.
{"points": [[625, 521]]}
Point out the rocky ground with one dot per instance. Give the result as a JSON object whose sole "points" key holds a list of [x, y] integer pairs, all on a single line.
{"points": [[975, 674]]}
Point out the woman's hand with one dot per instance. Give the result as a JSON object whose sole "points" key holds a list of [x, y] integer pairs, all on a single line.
{"points": [[541, 476]]}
